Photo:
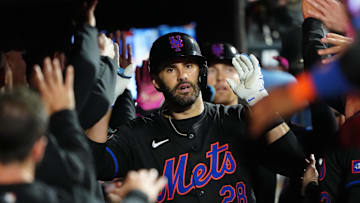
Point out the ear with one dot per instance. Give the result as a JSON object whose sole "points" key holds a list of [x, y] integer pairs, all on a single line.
{"points": [[155, 82], [38, 150]]}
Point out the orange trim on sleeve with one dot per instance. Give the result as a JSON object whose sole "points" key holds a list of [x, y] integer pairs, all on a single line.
{"points": [[303, 90]]}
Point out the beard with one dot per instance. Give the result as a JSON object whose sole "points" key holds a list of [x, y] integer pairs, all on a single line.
{"points": [[178, 99]]}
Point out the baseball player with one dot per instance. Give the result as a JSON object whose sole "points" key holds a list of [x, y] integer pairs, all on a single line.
{"points": [[203, 149], [219, 57]]}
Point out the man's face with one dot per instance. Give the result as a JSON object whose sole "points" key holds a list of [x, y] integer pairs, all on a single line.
{"points": [[179, 82], [217, 75]]}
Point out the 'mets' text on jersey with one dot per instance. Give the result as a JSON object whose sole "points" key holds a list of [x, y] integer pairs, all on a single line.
{"points": [[213, 163]]}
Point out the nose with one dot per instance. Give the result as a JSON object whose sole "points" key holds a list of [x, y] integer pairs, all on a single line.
{"points": [[183, 74], [220, 76]]}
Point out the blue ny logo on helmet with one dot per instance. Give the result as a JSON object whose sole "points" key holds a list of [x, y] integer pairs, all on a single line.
{"points": [[217, 49], [176, 42]]}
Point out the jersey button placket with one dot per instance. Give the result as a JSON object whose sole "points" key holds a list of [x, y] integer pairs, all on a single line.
{"points": [[194, 148], [191, 136], [201, 193]]}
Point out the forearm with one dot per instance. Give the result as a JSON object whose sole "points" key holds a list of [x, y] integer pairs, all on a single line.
{"points": [[277, 132], [98, 133], [123, 111], [86, 60], [65, 127]]}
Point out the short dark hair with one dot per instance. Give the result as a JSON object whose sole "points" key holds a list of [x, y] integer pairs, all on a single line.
{"points": [[23, 121]]}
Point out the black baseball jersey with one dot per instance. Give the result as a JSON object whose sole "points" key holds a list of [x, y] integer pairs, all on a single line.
{"points": [[213, 162], [339, 176]]}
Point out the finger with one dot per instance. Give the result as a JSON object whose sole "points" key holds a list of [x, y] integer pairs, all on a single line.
{"points": [[317, 15], [39, 79], [248, 65], [236, 63], [153, 174], [319, 5], [117, 54], [335, 41], [69, 78], [111, 36], [160, 183], [129, 53], [57, 75], [48, 69], [8, 78], [123, 44], [331, 50], [138, 74], [329, 60], [312, 160], [232, 85], [117, 37], [336, 36], [255, 63], [146, 72]]}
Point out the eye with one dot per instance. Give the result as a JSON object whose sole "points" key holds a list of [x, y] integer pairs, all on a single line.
{"points": [[230, 69], [211, 71], [169, 69], [189, 65]]}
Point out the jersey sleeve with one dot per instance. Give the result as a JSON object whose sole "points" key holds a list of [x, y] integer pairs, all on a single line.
{"points": [[113, 158]]}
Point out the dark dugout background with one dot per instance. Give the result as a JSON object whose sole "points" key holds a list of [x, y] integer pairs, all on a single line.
{"points": [[42, 26]]}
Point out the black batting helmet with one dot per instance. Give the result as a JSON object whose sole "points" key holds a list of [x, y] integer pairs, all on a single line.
{"points": [[219, 53], [176, 45]]}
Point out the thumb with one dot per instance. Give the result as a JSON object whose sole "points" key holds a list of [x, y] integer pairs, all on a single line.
{"points": [[129, 70], [231, 83]]}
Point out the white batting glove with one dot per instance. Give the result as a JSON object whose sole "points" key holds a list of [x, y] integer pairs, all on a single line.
{"points": [[123, 77], [251, 86], [123, 80]]}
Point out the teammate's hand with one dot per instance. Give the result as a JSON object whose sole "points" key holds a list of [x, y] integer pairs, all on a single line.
{"points": [[251, 86], [88, 9], [306, 8], [146, 181], [148, 97], [55, 93], [341, 44], [331, 12], [106, 46], [310, 175]]}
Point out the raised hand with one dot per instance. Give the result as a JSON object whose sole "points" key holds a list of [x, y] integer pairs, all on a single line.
{"points": [[148, 97], [88, 12], [251, 87], [106, 46], [146, 181], [341, 43], [56, 94], [331, 12], [310, 175]]}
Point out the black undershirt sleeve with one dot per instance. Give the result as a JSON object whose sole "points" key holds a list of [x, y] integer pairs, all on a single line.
{"points": [[285, 156]]}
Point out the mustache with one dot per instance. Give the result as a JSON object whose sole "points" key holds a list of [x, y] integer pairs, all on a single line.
{"points": [[189, 83]]}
